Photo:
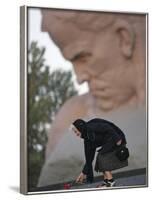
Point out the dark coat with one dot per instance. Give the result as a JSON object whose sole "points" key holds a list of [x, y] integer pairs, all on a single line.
{"points": [[100, 133]]}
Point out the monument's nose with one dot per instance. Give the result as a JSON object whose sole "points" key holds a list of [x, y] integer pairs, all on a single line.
{"points": [[81, 78]]}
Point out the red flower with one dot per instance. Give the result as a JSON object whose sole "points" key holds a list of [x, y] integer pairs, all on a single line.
{"points": [[67, 186]]}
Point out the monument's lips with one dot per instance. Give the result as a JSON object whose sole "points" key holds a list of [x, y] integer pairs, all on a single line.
{"points": [[104, 93]]}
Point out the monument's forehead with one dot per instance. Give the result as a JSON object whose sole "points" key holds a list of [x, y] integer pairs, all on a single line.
{"points": [[83, 20], [59, 14], [71, 30], [63, 32]]}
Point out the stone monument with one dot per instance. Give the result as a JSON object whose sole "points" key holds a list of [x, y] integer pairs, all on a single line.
{"points": [[108, 51]]}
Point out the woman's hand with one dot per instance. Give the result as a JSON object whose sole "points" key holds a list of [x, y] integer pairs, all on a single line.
{"points": [[81, 178], [119, 142]]}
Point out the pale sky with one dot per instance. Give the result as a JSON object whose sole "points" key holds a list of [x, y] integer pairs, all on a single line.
{"points": [[53, 55]]}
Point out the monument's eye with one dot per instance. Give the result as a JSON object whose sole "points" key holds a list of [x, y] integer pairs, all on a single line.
{"points": [[82, 56]]}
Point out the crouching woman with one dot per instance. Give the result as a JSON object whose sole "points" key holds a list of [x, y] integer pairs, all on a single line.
{"points": [[100, 133]]}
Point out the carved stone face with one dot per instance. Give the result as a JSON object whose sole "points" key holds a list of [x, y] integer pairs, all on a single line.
{"points": [[98, 58]]}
